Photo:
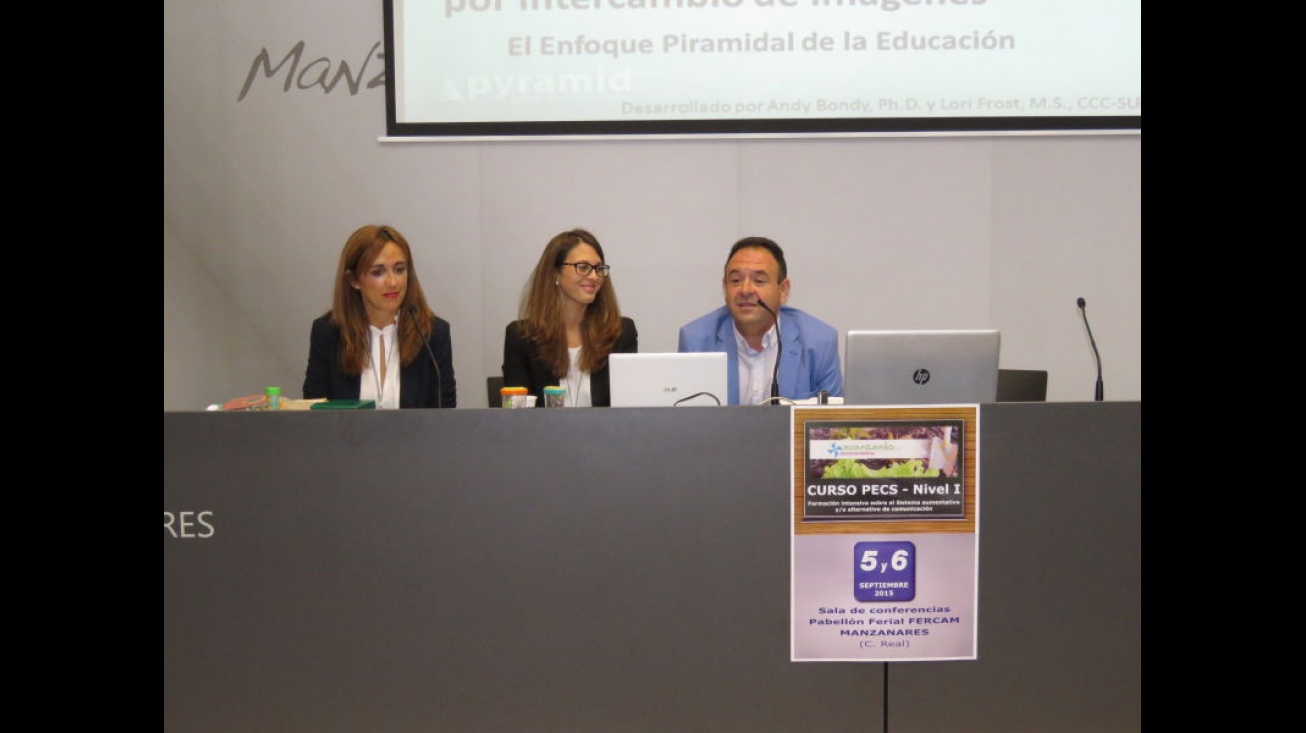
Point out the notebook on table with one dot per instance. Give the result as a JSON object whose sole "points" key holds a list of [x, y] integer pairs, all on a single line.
{"points": [[921, 367], [668, 379]]}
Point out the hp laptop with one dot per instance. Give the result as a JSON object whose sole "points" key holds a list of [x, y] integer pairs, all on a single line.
{"points": [[921, 367], [667, 379]]}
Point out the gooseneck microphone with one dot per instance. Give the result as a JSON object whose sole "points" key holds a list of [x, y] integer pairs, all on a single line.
{"points": [[1097, 390], [426, 343], [779, 348]]}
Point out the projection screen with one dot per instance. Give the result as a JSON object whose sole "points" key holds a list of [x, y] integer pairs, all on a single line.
{"points": [[510, 68]]}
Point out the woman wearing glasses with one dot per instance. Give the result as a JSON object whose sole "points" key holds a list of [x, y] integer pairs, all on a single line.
{"points": [[568, 323]]}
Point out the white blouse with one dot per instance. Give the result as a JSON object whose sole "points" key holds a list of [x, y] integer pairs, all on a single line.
{"points": [[372, 387], [577, 382]]}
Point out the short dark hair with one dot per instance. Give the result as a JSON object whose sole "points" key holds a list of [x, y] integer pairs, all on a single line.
{"points": [[762, 243]]}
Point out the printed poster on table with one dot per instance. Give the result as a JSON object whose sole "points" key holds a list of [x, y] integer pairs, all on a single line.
{"points": [[885, 543]]}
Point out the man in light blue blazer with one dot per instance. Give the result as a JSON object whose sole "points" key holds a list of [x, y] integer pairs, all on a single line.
{"points": [[756, 287]]}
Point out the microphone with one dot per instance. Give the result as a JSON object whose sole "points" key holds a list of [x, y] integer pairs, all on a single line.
{"points": [[426, 342], [779, 348], [1097, 391]]}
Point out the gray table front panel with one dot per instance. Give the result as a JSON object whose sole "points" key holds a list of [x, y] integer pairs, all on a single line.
{"points": [[603, 570]]}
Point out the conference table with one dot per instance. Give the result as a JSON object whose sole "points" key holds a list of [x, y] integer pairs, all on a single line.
{"points": [[613, 570]]}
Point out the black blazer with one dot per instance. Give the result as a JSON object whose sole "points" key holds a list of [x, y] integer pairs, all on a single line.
{"points": [[420, 383], [522, 369]]}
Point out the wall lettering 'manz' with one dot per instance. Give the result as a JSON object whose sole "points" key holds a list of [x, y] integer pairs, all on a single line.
{"points": [[321, 72]]}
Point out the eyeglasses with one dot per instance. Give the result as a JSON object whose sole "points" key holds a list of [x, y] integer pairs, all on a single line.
{"points": [[585, 268]]}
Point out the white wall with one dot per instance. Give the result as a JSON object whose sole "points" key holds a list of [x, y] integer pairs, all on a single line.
{"points": [[881, 232]]}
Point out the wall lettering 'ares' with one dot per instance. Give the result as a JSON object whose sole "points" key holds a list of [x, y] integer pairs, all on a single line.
{"points": [[319, 72]]}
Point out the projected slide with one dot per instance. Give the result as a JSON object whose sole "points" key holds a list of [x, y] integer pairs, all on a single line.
{"points": [[559, 66]]}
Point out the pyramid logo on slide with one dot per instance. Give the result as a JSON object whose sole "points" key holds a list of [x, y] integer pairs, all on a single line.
{"points": [[449, 91]]}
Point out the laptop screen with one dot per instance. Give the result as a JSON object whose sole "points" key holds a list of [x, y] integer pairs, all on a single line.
{"points": [[668, 379], [921, 367]]}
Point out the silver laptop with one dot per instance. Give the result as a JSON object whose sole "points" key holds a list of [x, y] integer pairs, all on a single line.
{"points": [[921, 367], [669, 379]]}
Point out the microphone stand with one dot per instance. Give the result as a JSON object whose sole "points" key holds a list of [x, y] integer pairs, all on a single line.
{"points": [[426, 342], [779, 349], [1097, 389]]}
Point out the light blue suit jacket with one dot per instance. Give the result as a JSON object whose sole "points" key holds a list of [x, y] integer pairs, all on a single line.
{"points": [[809, 354]]}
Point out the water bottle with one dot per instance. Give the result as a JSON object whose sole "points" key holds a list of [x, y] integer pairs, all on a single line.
{"points": [[513, 397], [274, 398], [555, 396]]}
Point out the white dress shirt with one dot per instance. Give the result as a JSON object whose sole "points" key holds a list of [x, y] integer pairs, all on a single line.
{"points": [[756, 367]]}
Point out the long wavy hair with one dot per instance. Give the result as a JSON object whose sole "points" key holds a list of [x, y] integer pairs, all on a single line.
{"points": [[540, 316], [349, 313]]}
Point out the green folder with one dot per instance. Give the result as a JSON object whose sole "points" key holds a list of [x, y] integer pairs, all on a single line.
{"points": [[345, 405]]}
